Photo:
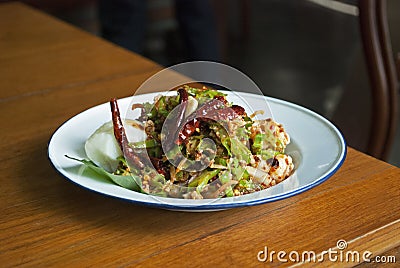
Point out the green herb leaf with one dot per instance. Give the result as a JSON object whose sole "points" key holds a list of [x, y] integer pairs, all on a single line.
{"points": [[203, 94], [203, 178], [240, 151], [129, 182], [144, 144]]}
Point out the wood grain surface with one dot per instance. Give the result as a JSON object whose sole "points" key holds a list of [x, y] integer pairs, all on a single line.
{"points": [[50, 71]]}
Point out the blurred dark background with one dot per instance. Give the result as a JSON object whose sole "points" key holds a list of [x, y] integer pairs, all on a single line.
{"points": [[303, 51]]}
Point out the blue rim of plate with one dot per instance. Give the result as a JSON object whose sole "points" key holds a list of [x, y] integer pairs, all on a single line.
{"points": [[208, 207]]}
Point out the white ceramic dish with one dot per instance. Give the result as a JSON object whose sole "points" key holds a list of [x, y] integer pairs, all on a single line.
{"points": [[317, 147]]}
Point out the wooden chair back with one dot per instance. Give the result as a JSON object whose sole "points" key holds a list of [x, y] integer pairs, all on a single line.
{"points": [[382, 74]]}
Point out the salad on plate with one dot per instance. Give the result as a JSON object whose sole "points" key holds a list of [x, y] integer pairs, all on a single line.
{"points": [[193, 144]]}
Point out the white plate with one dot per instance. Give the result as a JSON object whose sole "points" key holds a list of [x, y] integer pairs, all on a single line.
{"points": [[318, 149]]}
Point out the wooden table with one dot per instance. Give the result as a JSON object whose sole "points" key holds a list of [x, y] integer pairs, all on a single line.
{"points": [[50, 71]]}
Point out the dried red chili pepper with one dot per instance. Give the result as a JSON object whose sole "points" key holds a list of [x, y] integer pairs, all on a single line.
{"points": [[214, 110], [119, 132]]}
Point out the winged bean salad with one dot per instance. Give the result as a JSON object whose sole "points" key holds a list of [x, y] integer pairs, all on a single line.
{"points": [[194, 144]]}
